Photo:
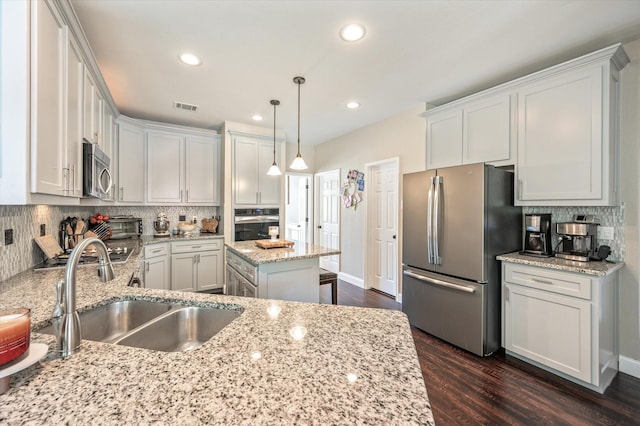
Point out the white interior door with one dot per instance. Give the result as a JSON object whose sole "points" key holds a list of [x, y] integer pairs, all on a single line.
{"points": [[298, 208], [382, 231], [328, 216]]}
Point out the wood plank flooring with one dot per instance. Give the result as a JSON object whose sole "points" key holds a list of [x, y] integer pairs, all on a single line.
{"points": [[501, 390]]}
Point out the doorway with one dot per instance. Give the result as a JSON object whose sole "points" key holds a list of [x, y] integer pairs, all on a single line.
{"points": [[381, 249], [327, 216], [298, 207]]}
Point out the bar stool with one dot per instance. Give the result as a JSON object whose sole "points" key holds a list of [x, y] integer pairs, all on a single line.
{"points": [[328, 277]]}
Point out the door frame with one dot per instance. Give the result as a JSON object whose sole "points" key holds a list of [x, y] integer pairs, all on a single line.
{"points": [[310, 201], [368, 253]]}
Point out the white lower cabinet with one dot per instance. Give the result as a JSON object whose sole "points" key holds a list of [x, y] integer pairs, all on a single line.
{"points": [[564, 322], [196, 265], [156, 266]]}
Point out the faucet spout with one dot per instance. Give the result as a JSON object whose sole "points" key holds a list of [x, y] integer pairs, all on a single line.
{"points": [[69, 335]]}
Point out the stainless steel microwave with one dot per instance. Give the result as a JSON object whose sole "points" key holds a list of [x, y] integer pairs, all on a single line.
{"points": [[96, 181]]}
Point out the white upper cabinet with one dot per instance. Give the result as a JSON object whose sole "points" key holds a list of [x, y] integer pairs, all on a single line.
{"points": [[568, 146], [474, 130], [165, 159], [73, 139], [130, 187], [92, 111], [48, 150], [183, 167], [252, 186]]}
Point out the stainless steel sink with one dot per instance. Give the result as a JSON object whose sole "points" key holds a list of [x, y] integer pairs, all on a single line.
{"points": [[152, 325]]}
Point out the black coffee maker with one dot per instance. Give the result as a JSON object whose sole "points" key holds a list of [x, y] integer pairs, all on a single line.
{"points": [[537, 235]]}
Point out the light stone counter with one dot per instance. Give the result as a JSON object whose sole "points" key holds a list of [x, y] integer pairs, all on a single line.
{"points": [[256, 255], [222, 381], [597, 268]]}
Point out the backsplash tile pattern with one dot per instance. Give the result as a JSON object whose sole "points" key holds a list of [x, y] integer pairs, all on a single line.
{"points": [[607, 216], [25, 222]]}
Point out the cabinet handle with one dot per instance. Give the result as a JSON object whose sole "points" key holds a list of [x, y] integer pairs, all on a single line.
{"points": [[519, 197], [506, 294], [121, 193], [156, 251], [181, 195], [198, 258], [73, 175], [538, 280], [147, 266], [187, 195]]}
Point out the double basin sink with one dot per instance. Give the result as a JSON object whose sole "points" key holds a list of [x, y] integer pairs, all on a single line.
{"points": [[152, 325]]}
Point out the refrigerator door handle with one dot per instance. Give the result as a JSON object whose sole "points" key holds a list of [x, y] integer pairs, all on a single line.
{"points": [[439, 282], [436, 221], [430, 222]]}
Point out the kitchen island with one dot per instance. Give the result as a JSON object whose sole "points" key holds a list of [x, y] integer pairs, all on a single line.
{"points": [[354, 365], [289, 273]]}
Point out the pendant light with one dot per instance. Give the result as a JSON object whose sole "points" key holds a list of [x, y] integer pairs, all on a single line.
{"points": [[274, 170], [298, 162]]}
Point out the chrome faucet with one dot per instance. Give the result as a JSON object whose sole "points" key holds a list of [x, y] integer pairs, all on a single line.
{"points": [[65, 316]]}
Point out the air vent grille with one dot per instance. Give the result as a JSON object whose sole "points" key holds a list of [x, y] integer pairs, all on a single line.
{"points": [[185, 106]]}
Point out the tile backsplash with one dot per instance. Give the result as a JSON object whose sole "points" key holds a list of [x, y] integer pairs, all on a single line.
{"points": [[607, 216], [26, 220]]}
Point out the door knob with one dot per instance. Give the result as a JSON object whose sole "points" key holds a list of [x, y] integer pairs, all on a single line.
{"points": [[394, 236], [319, 226]]}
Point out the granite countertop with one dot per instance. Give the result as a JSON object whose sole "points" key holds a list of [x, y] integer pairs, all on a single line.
{"points": [[256, 255], [150, 239], [589, 268], [223, 381]]}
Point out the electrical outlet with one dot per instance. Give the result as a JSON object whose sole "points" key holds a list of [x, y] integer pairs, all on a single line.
{"points": [[43, 229], [8, 237], [605, 233], [182, 218]]}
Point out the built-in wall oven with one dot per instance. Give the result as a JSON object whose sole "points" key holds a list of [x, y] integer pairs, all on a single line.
{"points": [[253, 224]]}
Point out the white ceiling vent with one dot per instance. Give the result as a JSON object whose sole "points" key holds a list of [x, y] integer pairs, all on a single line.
{"points": [[185, 106]]}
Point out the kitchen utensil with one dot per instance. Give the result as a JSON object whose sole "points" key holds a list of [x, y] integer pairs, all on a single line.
{"points": [[49, 246], [15, 333], [186, 226], [161, 225], [103, 231], [603, 252], [72, 239], [209, 225], [79, 230]]}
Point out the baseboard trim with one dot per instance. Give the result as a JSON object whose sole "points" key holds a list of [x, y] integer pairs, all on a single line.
{"points": [[629, 366], [358, 282]]}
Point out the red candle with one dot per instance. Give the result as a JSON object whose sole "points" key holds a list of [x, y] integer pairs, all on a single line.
{"points": [[15, 333]]}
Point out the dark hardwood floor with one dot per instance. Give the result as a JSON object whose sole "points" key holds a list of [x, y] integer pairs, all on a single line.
{"points": [[501, 390]]}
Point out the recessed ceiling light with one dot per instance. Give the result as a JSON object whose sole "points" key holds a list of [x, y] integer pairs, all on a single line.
{"points": [[352, 32], [190, 59], [256, 117], [353, 104]]}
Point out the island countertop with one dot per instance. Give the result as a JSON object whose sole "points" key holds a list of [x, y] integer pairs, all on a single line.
{"points": [[256, 255], [251, 372]]}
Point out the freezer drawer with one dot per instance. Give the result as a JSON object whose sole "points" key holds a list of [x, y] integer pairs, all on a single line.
{"points": [[448, 308]]}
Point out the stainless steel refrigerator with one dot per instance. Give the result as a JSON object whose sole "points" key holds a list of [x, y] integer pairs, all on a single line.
{"points": [[456, 220]]}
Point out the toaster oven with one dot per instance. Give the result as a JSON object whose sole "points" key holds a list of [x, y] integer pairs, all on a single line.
{"points": [[125, 227]]}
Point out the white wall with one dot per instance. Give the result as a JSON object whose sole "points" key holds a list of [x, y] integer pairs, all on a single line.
{"points": [[400, 136], [629, 285]]}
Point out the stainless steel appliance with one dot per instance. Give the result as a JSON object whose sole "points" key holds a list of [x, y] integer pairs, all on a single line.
{"points": [[577, 239], [455, 222], [161, 225], [96, 174], [125, 226], [537, 235], [253, 224]]}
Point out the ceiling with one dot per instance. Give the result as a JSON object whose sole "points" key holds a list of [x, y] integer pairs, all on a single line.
{"points": [[414, 52]]}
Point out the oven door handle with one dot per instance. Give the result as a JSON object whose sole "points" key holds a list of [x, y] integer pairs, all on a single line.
{"points": [[256, 219], [102, 189]]}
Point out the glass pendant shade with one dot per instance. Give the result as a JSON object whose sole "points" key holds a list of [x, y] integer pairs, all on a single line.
{"points": [[298, 163], [274, 170]]}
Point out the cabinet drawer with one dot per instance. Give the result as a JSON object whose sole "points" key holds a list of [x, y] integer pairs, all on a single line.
{"points": [[196, 246], [155, 250], [567, 283], [245, 268]]}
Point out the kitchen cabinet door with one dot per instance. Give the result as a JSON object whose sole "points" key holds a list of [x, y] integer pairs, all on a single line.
{"points": [[165, 168], [202, 169], [487, 131], [209, 270], [548, 328], [47, 100], [444, 138], [156, 273], [73, 139], [92, 111], [183, 272], [252, 185], [563, 151], [130, 164]]}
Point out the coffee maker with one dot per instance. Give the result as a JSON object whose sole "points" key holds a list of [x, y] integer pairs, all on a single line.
{"points": [[537, 235], [577, 238]]}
